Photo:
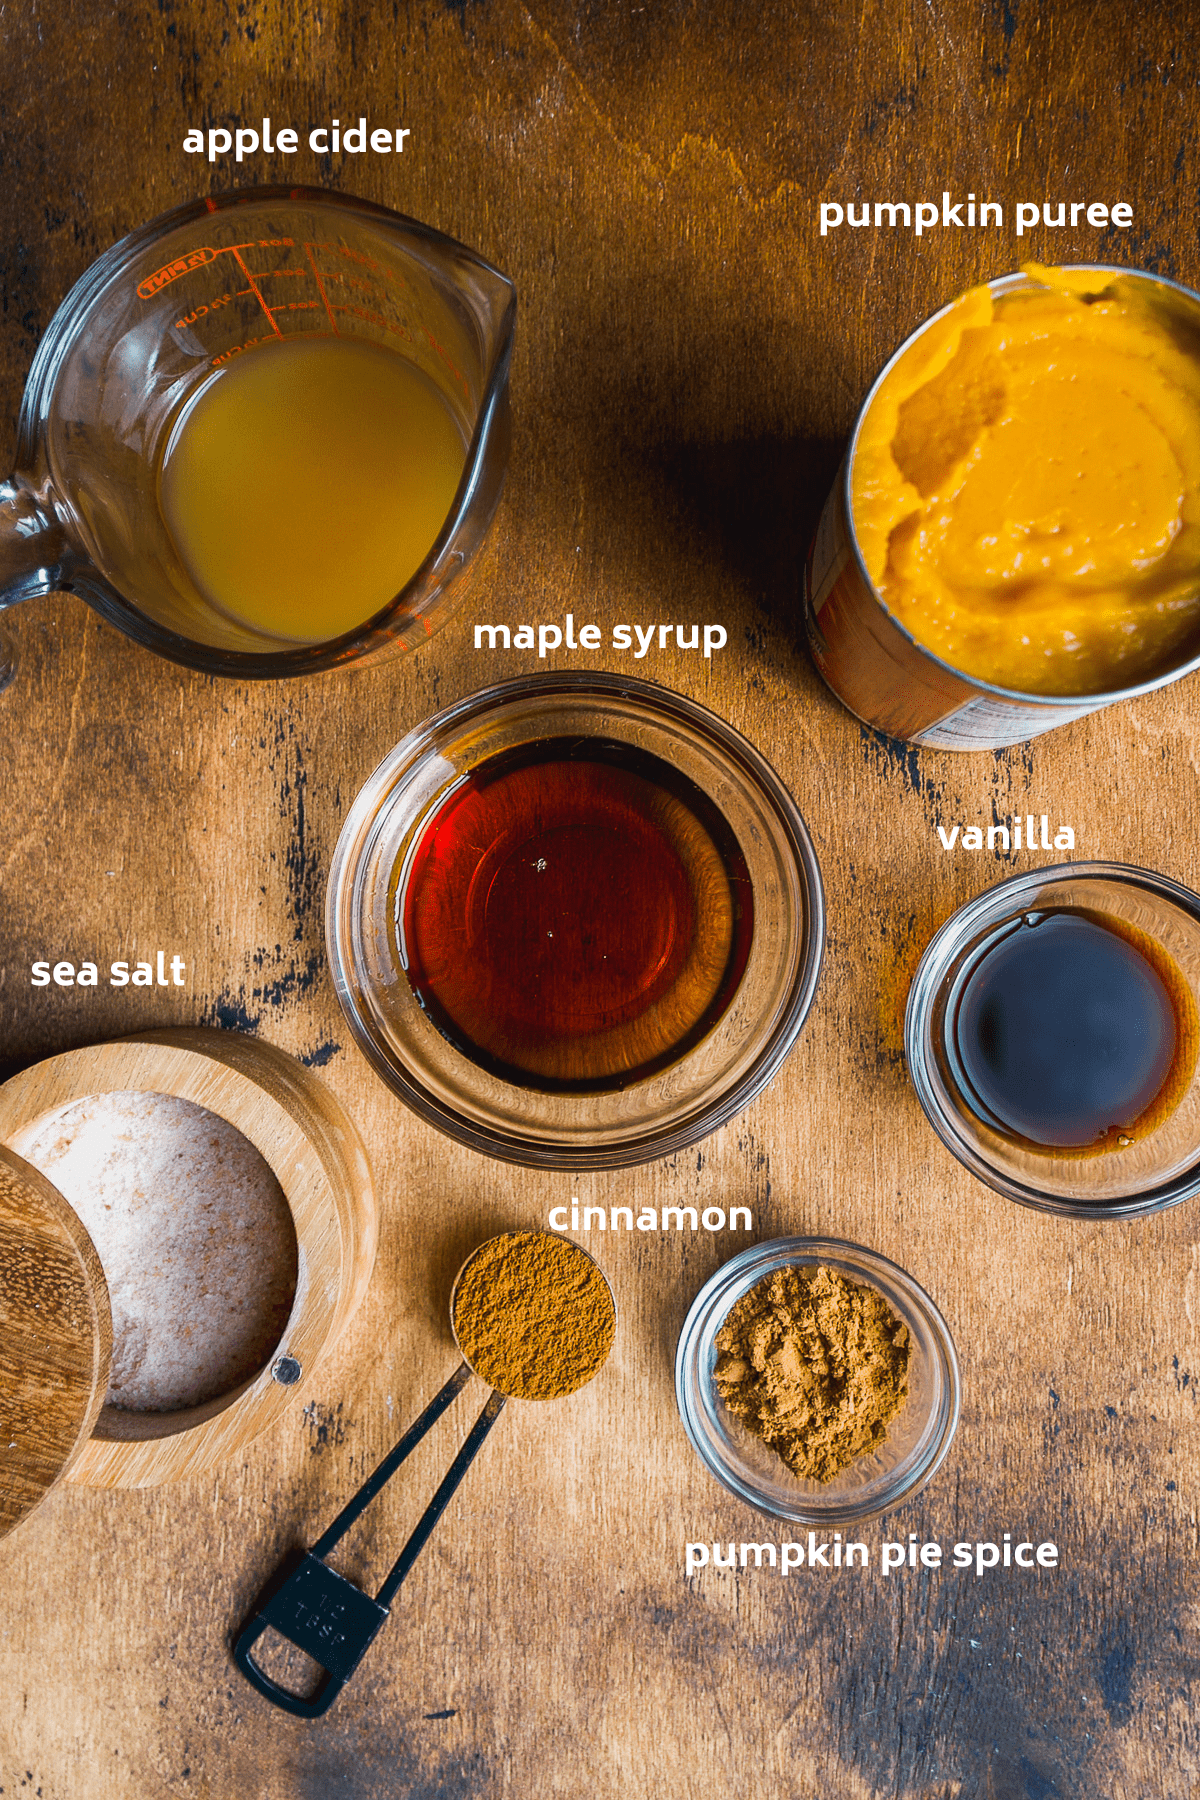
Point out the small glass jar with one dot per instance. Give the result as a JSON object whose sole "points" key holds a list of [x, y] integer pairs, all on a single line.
{"points": [[625, 1124], [918, 1438], [1142, 1174]]}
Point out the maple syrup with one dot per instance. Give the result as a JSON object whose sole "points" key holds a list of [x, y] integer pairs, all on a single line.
{"points": [[1072, 1033], [575, 916]]}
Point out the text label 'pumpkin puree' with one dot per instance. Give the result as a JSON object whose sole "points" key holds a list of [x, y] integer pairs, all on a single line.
{"points": [[1026, 484]]}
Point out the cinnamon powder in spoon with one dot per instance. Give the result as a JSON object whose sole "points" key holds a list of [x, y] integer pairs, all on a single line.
{"points": [[533, 1315]]}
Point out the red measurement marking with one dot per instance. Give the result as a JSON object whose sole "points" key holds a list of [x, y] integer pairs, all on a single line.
{"points": [[200, 311], [357, 256], [372, 318], [228, 355], [183, 265], [448, 360], [237, 251], [308, 251], [363, 312]]}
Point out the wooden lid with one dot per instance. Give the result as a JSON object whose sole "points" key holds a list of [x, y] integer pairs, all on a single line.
{"points": [[55, 1338]]}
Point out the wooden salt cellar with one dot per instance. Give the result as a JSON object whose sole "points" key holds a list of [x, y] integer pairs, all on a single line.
{"points": [[293, 1120]]}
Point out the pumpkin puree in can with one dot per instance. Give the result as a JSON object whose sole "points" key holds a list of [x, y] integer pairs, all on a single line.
{"points": [[1026, 483]]}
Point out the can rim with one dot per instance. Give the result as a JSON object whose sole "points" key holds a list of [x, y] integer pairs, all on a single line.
{"points": [[1081, 702]]}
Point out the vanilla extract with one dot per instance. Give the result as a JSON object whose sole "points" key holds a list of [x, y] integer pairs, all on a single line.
{"points": [[1071, 1032], [576, 915]]}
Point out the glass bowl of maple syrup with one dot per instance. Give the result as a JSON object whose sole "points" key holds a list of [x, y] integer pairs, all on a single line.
{"points": [[575, 921], [1052, 1032]]}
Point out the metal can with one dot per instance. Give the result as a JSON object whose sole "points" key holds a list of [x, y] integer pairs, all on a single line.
{"points": [[877, 669]]}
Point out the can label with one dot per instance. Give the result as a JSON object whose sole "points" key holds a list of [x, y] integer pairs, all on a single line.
{"points": [[987, 724], [828, 554]]}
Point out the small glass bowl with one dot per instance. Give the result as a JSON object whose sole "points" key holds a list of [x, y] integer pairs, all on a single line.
{"points": [[672, 1107], [917, 1440], [1154, 1172]]}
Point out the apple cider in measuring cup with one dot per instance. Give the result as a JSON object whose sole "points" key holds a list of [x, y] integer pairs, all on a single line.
{"points": [[306, 481], [266, 434]]}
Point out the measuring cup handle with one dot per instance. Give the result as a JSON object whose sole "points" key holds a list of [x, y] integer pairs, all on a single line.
{"points": [[33, 545]]}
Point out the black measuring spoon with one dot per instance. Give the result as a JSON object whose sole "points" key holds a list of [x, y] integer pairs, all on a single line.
{"points": [[324, 1614]]}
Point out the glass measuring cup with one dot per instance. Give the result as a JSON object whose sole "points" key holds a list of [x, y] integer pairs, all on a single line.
{"points": [[328, 1617], [162, 312]]}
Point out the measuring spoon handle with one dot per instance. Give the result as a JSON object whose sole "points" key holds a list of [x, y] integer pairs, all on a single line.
{"points": [[328, 1617], [359, 1502], [437, 1506]]}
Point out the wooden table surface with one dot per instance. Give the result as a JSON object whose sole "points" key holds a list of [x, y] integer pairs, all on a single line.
{"points": [[690, 357]]}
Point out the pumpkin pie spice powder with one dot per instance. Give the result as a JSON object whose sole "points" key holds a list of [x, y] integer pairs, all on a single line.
{"points": [[816, 1366]]}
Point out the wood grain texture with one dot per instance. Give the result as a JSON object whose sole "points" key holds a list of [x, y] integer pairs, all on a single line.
{"points": [[690, 356], [56, 1338]]}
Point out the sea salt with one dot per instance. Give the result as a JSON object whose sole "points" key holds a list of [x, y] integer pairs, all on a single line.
{"points": [[194, 1235]]}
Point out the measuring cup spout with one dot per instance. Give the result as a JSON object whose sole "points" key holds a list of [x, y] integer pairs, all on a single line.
{"points": [[33, 545]]}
